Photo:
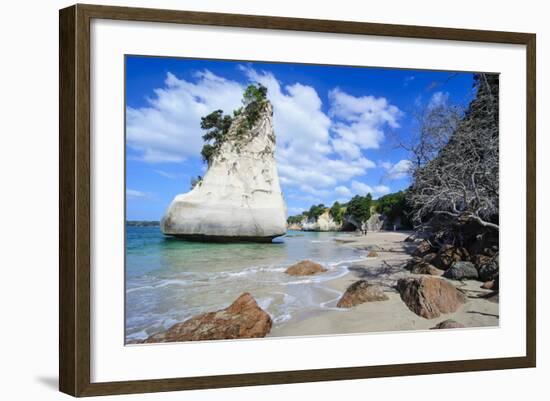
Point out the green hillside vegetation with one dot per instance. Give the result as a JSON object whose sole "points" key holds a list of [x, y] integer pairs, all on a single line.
{"points": [[394, 206], [359, 209]]}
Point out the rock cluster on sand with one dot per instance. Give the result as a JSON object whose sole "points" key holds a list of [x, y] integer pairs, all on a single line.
{"points": [[242, 319], [424, 247], [239, 197], [359, 292], [489, 270], [426, 268], [461, 271], [457, 263], [305, 268], [447, 255], [429, 297], [448, 324]]}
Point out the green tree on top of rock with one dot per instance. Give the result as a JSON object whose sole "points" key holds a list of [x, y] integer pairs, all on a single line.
{"points": [[254, 98], [217, 124]]}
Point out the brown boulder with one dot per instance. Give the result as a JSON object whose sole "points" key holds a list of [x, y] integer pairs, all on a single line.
{"points": [[360, 292], [488, 285], [480, 260], [426, 268], [447, 255], [305, 268], [412, 263], [429, 297], [428, 258], [422, 249], [242, 319], [448, 324], [372, 254]]}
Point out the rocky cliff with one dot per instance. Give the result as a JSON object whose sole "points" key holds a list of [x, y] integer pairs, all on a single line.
{"points": [[324, 222], [239, 197]]}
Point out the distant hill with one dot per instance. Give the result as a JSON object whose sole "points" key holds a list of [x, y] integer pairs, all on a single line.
{"points": [[142, 223]]}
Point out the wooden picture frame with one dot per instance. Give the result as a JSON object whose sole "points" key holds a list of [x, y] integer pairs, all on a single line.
{"points": [[74, 199]]}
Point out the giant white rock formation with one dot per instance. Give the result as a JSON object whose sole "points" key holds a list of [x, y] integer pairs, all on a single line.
{"points": [[239, 198]]}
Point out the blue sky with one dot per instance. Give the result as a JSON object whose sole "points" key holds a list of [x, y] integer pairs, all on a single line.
{"points": [[337, 127]]}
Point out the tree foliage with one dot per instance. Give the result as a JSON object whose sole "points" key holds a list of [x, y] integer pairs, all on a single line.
{"points": [[315, 211], [394, 206], [217, 125], [297, 219], [358, 209], [461, 180], [337, 212], [434, 124], [254, 98]]}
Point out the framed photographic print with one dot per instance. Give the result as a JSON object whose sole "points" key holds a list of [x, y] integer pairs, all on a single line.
{"points": [[250, 200]]}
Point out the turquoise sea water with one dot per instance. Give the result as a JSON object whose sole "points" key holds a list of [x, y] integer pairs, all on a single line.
{"points": [[169, 280]]}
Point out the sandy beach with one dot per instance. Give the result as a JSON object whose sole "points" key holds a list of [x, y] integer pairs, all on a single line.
{"points": [[391, 315]]}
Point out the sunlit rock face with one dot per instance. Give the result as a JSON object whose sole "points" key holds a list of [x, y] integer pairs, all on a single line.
{"points": [[324, 222], [239, 198]]}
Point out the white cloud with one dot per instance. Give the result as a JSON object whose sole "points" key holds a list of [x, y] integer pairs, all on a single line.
{"points": [[360, 121], [399, 170], [408, 80], [342, 191], [316, 152], [135, 194], [168, 129], [346, 149], [305, 150], [381, 190], [360, 188], [438, 99], [167, 174]]}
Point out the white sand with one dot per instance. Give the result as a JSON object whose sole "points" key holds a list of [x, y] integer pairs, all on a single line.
{"points": [[390, 315]]}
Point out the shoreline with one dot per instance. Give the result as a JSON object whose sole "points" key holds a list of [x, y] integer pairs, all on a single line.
{"points": [[307, 305], [383, 316]]}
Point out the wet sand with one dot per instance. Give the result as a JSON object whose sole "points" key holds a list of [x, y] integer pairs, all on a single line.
{"points": [[391, 315]]}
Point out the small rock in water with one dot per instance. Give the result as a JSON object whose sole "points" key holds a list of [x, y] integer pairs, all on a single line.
{"points": [[372, 254], [242, 319], [360, 292], [305, 268], [429, 297], [448, 324], [461, 271]]}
